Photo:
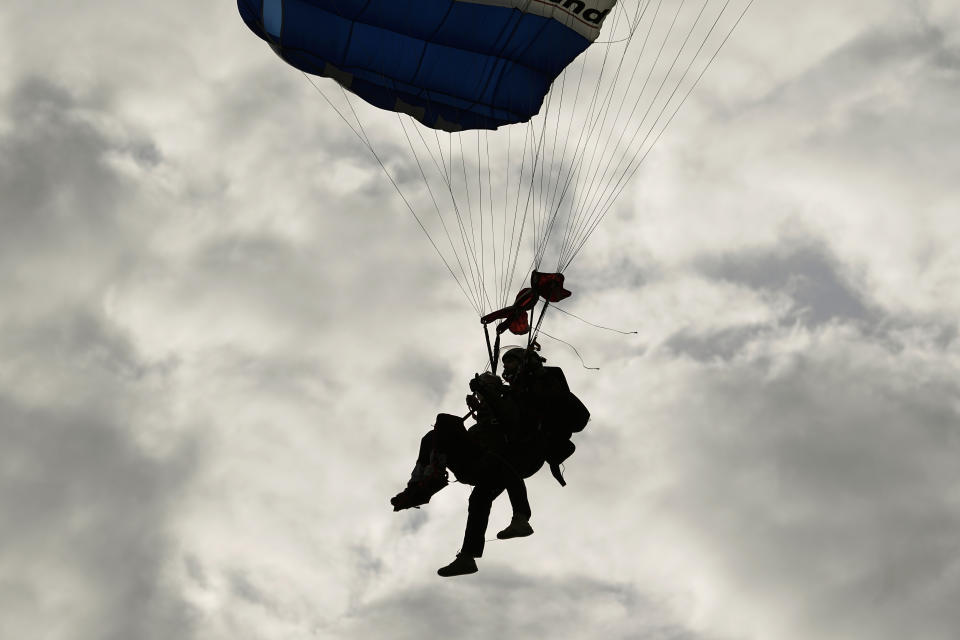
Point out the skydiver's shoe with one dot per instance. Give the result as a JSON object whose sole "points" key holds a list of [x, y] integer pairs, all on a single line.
{"points": [[418, 492], [461, 565], [409, 498], [517, 529]]}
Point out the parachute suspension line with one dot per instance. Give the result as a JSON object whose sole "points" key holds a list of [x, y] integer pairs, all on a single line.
{"points": [[574, 350], [469, 251], [585, 131], [516, 238], [477, 243], [535, 154], [534, 220], [546, 205], [583, 204], [426, 182], [589, 203], [498, 292], [446, 173], [617, 187], [564, 311], [554, 203], [515, 241], [539, 235], [488, 212], [481, 215], [621, 183], [567, 136], [483, 156], [539, 255], [575, 169], [548, 194], [442, 173], [466, 186], [600, 118], [432, 197], [469, 238], [362, 135], [501, 282], [554, 183], [527, 173], [584, 197], [659, 90], [490, 219], [541, 229], [633, 27], [505, 257], [536, 158], [483, 246], [473, 229]]}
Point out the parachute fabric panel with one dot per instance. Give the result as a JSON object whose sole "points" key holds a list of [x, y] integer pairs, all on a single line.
{"points": [[450, 64]]}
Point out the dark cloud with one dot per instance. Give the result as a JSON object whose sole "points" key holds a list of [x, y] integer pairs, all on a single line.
{"points": [[69, 215], [805, 273], [706, 346], [87, 511], [808, 274], [826, 477], [54, 161], [86, 527]]}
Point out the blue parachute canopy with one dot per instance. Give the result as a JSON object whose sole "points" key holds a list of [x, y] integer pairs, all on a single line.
{"points": [[451, 64]]}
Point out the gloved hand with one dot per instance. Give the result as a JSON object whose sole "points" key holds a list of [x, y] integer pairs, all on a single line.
{"points": [[473, 403]]}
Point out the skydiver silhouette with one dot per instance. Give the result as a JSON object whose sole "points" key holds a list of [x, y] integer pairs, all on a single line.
{"points": [[517, 428]]}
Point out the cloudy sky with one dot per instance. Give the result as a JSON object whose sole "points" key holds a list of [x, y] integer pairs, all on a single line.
{"points": [[222, 335]]}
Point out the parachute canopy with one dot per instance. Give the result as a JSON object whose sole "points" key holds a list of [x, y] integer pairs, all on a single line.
{"points": [[450, 64], [498, 205]]}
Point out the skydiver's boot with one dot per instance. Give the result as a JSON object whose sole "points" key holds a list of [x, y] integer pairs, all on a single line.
{"points": [[423, 484], [518, 528], [461, 565]]}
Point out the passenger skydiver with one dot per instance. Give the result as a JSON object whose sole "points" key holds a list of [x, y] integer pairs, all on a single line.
{"points": [[517, 428], [480, 456]]}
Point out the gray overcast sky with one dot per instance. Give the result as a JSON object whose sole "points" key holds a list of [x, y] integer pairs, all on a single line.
{"points": [[221, 337]]}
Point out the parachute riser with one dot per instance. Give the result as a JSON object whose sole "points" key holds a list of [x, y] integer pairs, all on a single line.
{"points": [[493, 352], [532, 338]]}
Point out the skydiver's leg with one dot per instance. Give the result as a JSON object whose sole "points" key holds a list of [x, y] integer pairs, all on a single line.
{"points": [[517, 491], [478, 514], [431, 462], [428, 477], [461, 454], [520, 523]]}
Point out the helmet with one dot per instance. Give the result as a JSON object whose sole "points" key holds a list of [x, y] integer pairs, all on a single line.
{"points": [[517, 359]]}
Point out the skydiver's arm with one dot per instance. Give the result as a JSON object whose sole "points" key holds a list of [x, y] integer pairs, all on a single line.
{"points": [[493, 398]]}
